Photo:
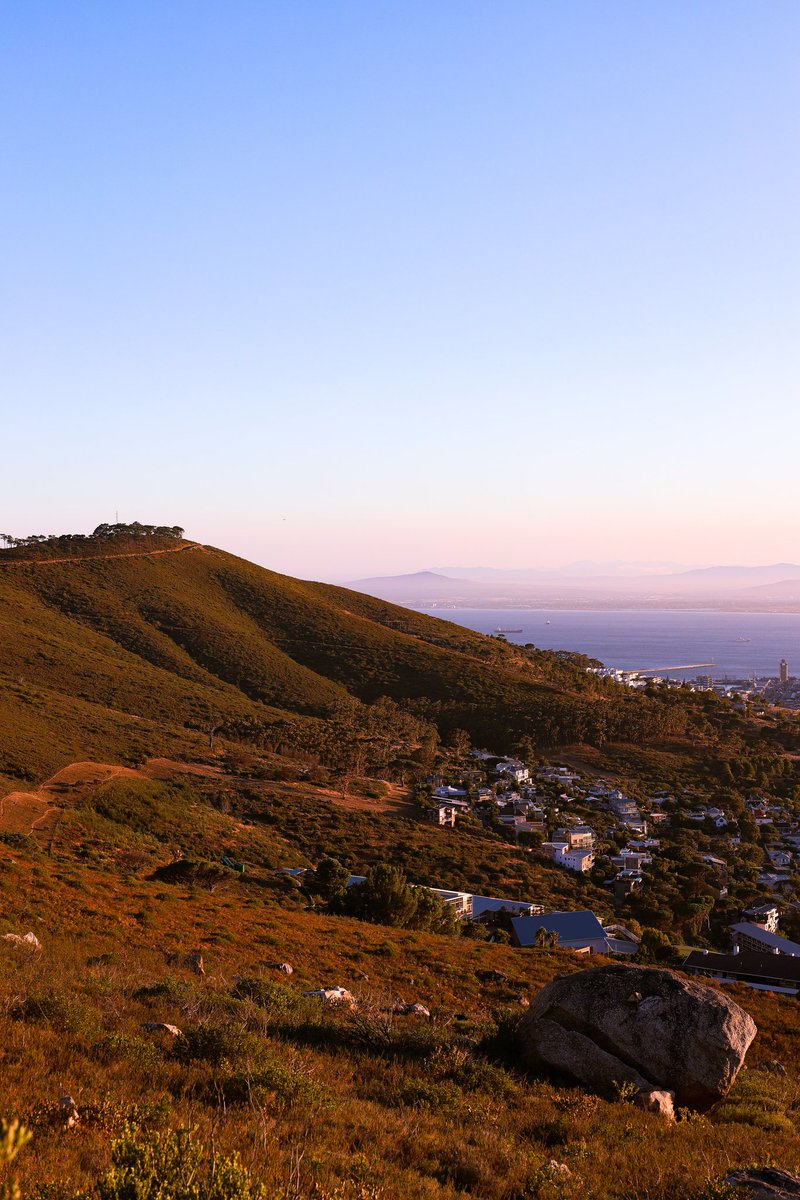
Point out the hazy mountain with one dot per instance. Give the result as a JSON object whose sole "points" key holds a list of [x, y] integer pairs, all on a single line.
{"points": [[417, 587], [583, 570], [611, 585], [785, 589]]}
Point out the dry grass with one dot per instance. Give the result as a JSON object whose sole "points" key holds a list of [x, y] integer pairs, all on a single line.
{"points": [[318, 1100]]}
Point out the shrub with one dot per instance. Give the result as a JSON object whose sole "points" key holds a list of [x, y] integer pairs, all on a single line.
{"points": [[66, 1014], [285, 1087], [216, 1045], [178, 990], [441, 1095], [476, 1075], [22, 841], [266, 993], [755, 1116], [13, 1137], [172, 1166], [136, 1051]]}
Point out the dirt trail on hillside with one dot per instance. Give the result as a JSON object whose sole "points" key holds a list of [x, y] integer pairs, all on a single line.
{"points": [[78, 773], [169, 768], [43, 562], [395, 802], [38, 811], [21, 811]]}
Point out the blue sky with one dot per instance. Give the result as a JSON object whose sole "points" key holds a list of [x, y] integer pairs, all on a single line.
{"points": [[357, 288]]}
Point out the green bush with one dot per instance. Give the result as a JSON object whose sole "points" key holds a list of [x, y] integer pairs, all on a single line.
{"points": [[442, 1095], [139, 1053], [216, 1045], [173, 1166], [266, 993], [276, 1081], [477, 1075], [67, 1014]]}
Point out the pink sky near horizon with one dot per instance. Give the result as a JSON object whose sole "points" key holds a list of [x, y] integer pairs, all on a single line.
{"points": [[344, 541], [315, 546]]}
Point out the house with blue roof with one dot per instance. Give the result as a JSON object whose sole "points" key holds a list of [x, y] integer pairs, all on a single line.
{"points": [[580, 931]]}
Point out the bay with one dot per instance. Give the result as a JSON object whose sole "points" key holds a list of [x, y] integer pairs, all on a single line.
{"points": [[738, 644]]}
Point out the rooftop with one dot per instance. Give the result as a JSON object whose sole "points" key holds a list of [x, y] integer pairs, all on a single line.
{"points": [[780, 944], [748, 963], [582, 927]]}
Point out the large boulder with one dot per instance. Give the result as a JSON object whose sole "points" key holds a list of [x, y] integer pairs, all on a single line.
{"points": [[649, 1028], [767, 1183]]}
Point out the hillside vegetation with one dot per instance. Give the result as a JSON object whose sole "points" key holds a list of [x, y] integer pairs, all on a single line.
{"points": [[178, 727], [125, 656], [318, 1102]]}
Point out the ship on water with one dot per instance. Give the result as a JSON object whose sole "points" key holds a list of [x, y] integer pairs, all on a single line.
{"points": [[499, 630]]}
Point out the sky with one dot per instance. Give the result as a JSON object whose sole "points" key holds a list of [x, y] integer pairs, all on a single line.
{"points": [[354, 288]]}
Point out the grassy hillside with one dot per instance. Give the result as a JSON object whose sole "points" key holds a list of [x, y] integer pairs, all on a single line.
{"points": [[320, 1103], [132, 655], [131, 661]]}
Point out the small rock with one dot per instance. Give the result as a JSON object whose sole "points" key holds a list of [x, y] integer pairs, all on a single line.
{"points": [[162, 1027], [493, 976], [334, 995], [770, 1068], [635, 998], [767, 1183], [657, 1101], [69, 1110], [559, 1168], [410, 1010], [29, 941]]}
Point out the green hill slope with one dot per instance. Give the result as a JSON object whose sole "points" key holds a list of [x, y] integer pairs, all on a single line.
{"points": [[136, 654]]}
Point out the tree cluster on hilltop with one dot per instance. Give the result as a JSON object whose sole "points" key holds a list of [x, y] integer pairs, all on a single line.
{"points": [[37, 545]]}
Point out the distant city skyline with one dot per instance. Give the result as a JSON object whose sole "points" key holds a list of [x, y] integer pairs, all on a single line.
{"points": [[356, 290]]}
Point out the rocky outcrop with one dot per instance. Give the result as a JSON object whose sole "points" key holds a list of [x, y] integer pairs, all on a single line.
{"points": [[651, 1029], [767, 1183]]}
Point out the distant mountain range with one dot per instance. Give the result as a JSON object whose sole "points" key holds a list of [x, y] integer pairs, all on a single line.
{"points": [[776, 586]]}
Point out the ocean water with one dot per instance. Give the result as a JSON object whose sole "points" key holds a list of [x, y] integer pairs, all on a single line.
{"points": [[737, 644]]}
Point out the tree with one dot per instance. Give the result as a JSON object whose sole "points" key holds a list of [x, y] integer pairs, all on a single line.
{"points": [[384, 898], [655, 946], [460, 745], [525, 749], [432, 913], [330, 879]]}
